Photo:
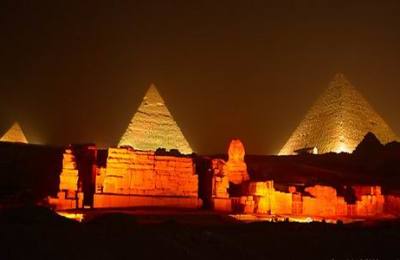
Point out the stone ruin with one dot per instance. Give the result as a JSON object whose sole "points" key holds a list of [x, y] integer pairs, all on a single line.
{"points": [[338, 122], [69, 195], [137, 175], [262, 198], [134, 178], [131, 178]]}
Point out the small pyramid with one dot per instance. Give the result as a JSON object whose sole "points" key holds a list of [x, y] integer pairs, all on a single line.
{"points": [[14, 135], [153, 127], [338, 122]]}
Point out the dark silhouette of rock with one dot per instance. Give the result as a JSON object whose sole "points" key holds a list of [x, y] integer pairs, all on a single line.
{"points": [[369, 146]]}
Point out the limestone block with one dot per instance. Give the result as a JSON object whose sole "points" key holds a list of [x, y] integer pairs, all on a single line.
{"points": [[297, 203], [281, 203], [263, 205], [261, 188], [341, 207], [248, 204], [69, 175]]}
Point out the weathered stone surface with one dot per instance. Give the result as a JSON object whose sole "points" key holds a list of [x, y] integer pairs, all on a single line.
{"points": [[248, 204], [14, 135], [268, 200], [153, 127], [69, 175], [220, 179], [322, 202], [132, 172], [338, 122], [236, 168]]}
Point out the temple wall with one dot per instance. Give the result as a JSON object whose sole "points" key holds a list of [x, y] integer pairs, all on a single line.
{"points": [[144, 173]]}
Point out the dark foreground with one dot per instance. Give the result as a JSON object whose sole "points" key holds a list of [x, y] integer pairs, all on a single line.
{"points": [[37, 233]]}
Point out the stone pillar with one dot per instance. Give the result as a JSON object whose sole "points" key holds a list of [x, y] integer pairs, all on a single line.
{"points": [[69, 175]]}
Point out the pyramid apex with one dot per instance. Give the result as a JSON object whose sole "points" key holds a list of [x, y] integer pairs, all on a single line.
{"points": [[341, 79], [153, 96], [153, 87], [14, 134]]}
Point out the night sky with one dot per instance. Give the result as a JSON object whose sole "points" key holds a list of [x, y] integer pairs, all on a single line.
{"points": [[76, 71]]}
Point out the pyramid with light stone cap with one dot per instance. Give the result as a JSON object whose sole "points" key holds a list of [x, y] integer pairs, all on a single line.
{"points": [[14, 135], [338, 122], [153, 127]]}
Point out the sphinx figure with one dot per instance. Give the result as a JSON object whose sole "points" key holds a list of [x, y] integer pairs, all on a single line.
{"points": [[235, 167]]}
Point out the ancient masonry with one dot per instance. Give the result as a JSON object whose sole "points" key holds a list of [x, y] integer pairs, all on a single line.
{"points": [[69, 175], [14, 135], [153, 127], [261, 197], [137, 178], [338, 122], [322, 201], [69, 195]]}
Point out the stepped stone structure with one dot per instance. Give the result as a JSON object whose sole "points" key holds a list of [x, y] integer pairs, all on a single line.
{"points": [[153, 127], [69, 175], [69, 196], [338, 122], [14, 135]]}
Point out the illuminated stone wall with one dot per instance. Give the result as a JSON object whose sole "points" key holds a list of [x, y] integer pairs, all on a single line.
{"points": [[338, 122], [144, 173], [153, 127], [69, 196], [268, 200], [14, 135], [220, 180], [370, 200], [69, 175], [322, 201]]}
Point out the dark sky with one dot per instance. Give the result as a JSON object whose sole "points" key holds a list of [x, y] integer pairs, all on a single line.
{"points": [[76, 71]]}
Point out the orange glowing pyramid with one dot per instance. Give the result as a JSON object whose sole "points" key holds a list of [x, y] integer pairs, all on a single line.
{"points": [[338, 122], [153, 127], [14, 135]]}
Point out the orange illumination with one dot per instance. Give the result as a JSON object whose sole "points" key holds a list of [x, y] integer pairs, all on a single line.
{"points": [[236, 168], [74, 216]]}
